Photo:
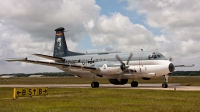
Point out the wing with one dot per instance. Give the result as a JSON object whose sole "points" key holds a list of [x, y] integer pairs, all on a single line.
{"points": [[54, 64], [184, 65], [49, 57]]}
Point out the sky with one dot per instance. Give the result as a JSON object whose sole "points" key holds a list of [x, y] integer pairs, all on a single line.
{"points": [[169, 26]]}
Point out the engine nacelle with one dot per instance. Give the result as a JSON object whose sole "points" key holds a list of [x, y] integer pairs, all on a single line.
{"points": [[116, 82], [108, 68]]}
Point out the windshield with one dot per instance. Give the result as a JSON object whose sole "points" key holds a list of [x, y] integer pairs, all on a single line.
{"points": [[156, 55]]}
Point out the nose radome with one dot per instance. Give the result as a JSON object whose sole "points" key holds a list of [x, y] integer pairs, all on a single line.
{"points": [[171, 67]]}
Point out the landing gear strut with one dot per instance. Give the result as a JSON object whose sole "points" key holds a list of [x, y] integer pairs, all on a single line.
{"points": [[165, 85], [134, 84], [94, 84]]}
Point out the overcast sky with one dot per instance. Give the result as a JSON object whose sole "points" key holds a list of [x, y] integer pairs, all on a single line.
{"points": [[170, 26]]}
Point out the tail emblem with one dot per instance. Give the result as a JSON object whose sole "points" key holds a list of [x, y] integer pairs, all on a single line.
{"points": [[59, 40], [58, 33]]}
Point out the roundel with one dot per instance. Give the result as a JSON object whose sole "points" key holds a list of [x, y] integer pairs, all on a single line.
{"points": [[104, 66]]}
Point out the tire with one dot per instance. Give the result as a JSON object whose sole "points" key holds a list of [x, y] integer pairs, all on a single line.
{"points": [[95, 84], [134, 84], [164, 85]]}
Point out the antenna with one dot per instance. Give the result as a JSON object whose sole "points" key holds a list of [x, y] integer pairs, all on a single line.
{"points": [[66, 30]]}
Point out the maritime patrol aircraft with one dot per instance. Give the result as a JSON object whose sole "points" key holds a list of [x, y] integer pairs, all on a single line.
{"points": [[116, 66]]}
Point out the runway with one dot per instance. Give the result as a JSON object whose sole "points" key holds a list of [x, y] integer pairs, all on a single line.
{"points": [[172, 86]]}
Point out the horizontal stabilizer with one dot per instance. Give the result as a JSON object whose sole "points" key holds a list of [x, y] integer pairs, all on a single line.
{"points": [[48, 57], [16, 59], [184, 65]]}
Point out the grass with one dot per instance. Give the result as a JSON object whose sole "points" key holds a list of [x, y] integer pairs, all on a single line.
{"points": [[101, 99], [186, 81]]}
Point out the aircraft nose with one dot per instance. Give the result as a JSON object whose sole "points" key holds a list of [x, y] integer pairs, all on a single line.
{"points": [[171, 67]]}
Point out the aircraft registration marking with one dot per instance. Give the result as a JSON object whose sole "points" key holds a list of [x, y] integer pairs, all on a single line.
{"points": [[85, 61]]}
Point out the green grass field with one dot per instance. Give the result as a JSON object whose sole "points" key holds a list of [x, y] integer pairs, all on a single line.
{"points": [[101, 99]]}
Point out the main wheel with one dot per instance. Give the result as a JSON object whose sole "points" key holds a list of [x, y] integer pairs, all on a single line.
{"points": [[95, 84], [134, 84], [164, 85]]}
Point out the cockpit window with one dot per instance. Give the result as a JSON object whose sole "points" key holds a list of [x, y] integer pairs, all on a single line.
{"points": [[153, 56], [161, 55], [158, 56]]}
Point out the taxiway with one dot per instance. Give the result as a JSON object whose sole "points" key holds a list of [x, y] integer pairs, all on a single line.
{"points": [[172, 86]]}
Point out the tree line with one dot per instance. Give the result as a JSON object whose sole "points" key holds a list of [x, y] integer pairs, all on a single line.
{"points": [[46, 74], [185, 73]]}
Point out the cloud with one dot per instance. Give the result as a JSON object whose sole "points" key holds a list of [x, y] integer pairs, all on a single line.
{"points": [[168, 14], [39, 19], [117, 30], [27, 27], [178, 23]]}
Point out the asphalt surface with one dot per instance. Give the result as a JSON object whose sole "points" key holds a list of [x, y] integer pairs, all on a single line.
{"points": [[172, 86]]}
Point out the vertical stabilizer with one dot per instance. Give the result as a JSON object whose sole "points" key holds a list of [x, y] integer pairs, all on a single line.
{"points": [[60, 46]]}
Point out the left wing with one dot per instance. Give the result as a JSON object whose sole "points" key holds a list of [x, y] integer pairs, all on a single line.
{"points": [[49, 57], [184, 65], [54, 64]]}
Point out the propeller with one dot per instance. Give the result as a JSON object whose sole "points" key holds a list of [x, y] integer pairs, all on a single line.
{"points": [[170, 59], [123, 66], [169, 77]]}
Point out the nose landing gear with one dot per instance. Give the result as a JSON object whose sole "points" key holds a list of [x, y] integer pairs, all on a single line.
{"points": [[165, 85]]}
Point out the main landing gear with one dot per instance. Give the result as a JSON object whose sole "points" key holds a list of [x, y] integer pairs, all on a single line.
{"points": [[94, 84], [134, 84], [165, 85]]}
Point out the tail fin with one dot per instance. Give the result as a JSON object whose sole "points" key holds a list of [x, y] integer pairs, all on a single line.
{"points": [[60, 46]]}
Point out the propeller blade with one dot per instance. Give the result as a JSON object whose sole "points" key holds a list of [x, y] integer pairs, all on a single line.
{"points": [[170, 59], [119, 59], [124, 67], [120, 76], [129, 58]]}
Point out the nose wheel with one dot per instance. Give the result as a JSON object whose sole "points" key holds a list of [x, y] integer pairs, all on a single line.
{"points": [[165, 85]]}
